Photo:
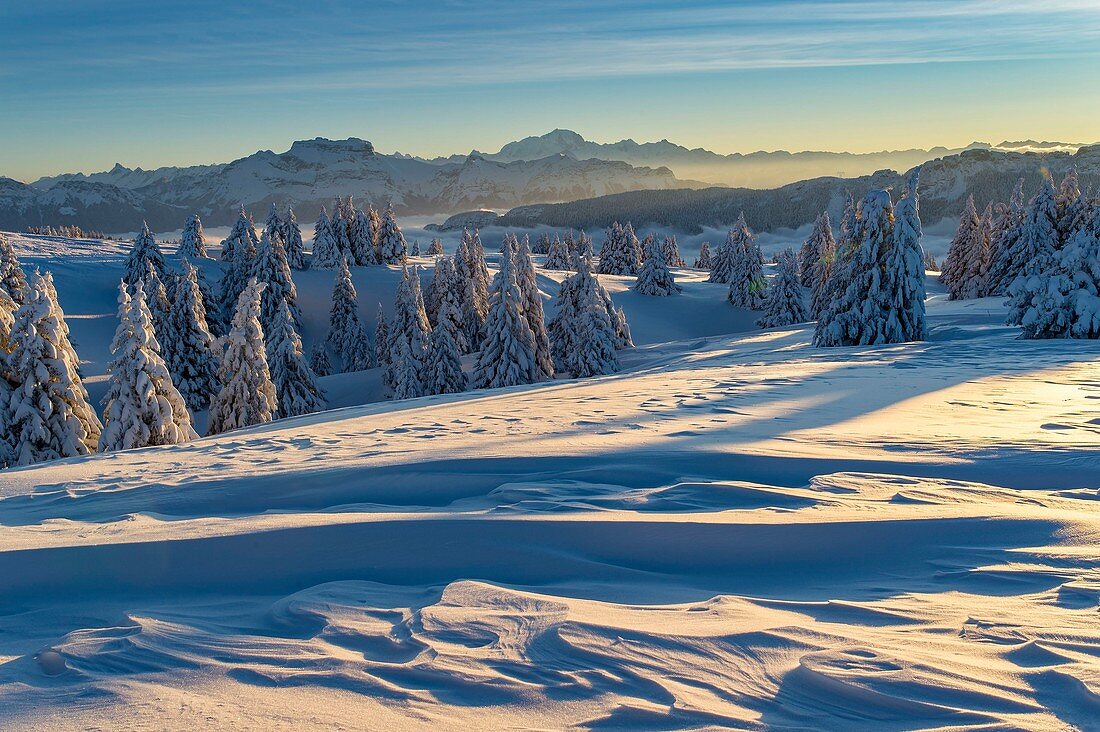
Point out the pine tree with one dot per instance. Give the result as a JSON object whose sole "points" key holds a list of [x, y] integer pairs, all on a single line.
{"points": [[620, 254], [362, 241], [865, 313], [970, 268], [541, 245], [143, 253], [583, 335], [655, 279], [703, 260], [326, 252], [1034, 253], [958, 251], [818, 242], [409, 323], [142, 407], [416, 248], [724, 261], [242, 237], [12, 279], [435, 249], [443, 365], [375, 231], [381, 338], [471, 272], [1081, 262], [345, 336], [247, 396], [343, 216], [292, 239], [193, 241], [746, 268], [582, 247], [527, 279], [406, 368], [50, 416], [274, 225], [193, 362], [1004, 240], [318, 361], [7, 378], [671, 251], [905, 264], [392, 248], [783, 304], [442, 278], [558, 256], [272, 268], [1069, 191], [507, 356], [156, 299], [235, 277], [296, 387]]}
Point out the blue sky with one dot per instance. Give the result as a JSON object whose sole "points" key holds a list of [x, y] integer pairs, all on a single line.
{"points": [[85, 84]]}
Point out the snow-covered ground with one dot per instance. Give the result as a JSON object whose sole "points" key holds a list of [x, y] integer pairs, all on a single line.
{"points": [[738, 530]]}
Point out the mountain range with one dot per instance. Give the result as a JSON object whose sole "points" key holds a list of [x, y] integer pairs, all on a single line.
{"points": [[311, 173], [530, 174]]}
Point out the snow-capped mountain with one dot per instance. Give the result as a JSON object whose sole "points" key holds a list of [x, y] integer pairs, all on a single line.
{"points": [[944, 185], [309, 174], [751, 170]]}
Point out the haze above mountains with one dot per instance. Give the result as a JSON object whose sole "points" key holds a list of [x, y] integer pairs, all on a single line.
{"points": [[559, 166]]}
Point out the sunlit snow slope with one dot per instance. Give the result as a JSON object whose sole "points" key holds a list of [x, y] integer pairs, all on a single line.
{"points": [[737, 531]]}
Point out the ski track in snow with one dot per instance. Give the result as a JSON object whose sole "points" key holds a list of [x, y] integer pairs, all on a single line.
{"points": [[737, 531]]}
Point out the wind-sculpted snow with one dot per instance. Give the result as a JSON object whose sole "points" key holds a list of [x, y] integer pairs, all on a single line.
{"points": [[735, 531]]}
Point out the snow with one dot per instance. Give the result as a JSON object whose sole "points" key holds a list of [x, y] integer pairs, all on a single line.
{"points": [[737, 530]]}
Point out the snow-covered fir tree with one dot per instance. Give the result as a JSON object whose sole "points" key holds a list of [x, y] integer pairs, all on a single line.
{"points": [[867, 311], [442, 364], [584, 337], [292, 241], [819, 242], [50, 416], [272, 268], [242, 236], [1007, 227], [507, 356], [620, 253], [319, 363], [12, 279], [381, 338], [142, 406], [392, 248], [969, 271], [541, 245], [191, 358], [405, 368], [703, 260], [581, 247], [145, 252], [247, 396], [527, 279], [416, 248], [435, 249], [954, 265], [410, 324], [1080, 261], [655, 279], [905, 264], [346, 336], [1069, 193], [558, 256], [326, 252], [343, 218], [671, 250], [724, 261], [473, 274], [235, 276], [783, 304], [746, 272], [1034, 252], [362, 240], [296, 388], [822, 263], [193, 241], [442, 280], [273, 225]]}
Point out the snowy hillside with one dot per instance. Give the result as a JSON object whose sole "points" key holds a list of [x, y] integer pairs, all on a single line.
{"points": [[737, 531], [309, 174]]}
